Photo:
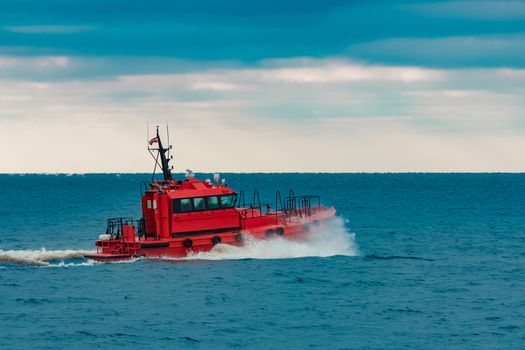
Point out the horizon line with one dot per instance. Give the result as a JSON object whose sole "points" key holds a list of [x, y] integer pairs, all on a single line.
{"points": [[270, 173]]}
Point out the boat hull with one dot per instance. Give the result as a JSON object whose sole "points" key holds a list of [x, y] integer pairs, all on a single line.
{"points": [[182, 245]]}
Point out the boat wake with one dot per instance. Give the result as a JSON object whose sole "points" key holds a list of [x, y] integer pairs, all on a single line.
{"points": [[43, 257], [328, 240]]}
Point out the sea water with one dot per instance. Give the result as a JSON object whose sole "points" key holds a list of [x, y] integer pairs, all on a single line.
{"points": [[422, 261]]}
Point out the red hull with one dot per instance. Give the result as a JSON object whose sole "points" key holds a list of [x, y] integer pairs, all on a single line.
{"points": [[119, 250]]}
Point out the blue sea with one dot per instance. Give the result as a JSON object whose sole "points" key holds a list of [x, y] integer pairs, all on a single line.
{"points": [[419, 261]]}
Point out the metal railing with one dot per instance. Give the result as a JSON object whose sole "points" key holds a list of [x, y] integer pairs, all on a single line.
{"points": [[300, 206], [115, 227], [295, 207]]}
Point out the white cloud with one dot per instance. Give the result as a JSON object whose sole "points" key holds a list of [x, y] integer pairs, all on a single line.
{"points": [[333, 72], [213, 86], [337, 116], [48, 29], [33, 63], [313, 72], [304, 71]]}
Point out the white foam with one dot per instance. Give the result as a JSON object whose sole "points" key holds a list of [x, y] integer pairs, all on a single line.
{"points": [[39, 257], [328, 240], [124, 261], [62, 263]]}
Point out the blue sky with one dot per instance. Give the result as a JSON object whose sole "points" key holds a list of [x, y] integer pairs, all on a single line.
{"points": [[374, 31], [360, 86]]}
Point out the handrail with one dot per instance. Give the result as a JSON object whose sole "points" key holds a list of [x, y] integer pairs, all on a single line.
{"points": [[299, 206], [278, 204], [241, 199], [256, 197], [291, 207], [115, 226]]}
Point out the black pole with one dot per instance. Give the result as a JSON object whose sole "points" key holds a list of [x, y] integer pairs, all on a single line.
{"points": [[166, 171]]}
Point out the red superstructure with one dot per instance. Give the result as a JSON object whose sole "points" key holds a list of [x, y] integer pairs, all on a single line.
{"points": [[180, 217]]}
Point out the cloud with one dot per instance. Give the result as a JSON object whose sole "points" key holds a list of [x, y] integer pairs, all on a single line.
{"points": [[479, 10], [48, 29], [471, 51], [338, 145], [468, 110], [341, 116], [213, 86], [294, 71], [33, 63], [341, 71]]}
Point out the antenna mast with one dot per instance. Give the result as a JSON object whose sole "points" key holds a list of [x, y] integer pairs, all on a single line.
{"points": [[164, 161], [169, 144]]}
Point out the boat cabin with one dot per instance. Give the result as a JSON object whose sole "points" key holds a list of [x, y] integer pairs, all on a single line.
{"points": [[189, 207]]}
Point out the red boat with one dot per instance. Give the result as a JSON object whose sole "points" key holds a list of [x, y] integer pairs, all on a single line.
{"points": [[181, 217]]}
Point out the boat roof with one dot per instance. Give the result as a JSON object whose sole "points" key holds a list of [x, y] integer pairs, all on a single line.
{"points": [[191, 188]]}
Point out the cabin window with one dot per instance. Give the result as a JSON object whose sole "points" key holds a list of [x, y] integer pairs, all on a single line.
{"points": [[176, 205], [154, 204], [198, 203], [186, 205], [228, 201], [213, 202], [148, 204]]}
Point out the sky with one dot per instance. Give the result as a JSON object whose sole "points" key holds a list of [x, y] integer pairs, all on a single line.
{"points": [[288, 86]]}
